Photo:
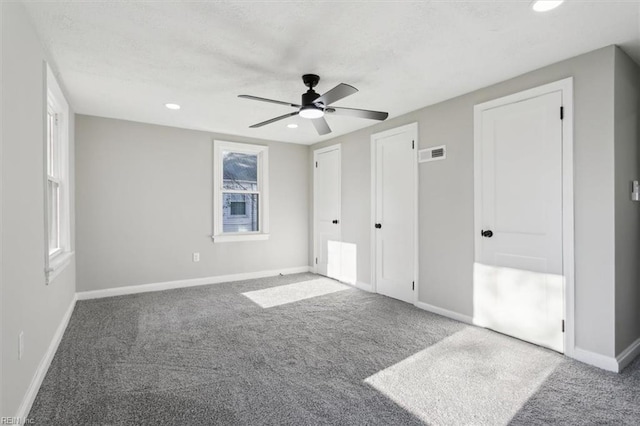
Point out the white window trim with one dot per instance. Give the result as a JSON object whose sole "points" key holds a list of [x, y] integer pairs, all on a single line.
{"points": [[57, 261], [263, 186]]}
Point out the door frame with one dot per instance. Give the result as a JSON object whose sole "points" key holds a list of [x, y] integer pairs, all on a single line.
{"points": [[316, 152], [565, 87], [411, 128]]}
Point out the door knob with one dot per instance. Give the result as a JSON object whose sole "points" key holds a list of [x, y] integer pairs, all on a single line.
{"points": [[378, 225], [335, 221], [486, 234]]}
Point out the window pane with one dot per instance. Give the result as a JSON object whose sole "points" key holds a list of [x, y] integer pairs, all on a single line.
{"points": [[240, 171], [240, 212], [53, 193], [50, 143], [238, 208]]}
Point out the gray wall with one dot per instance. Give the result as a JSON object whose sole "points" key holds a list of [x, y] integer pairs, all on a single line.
{"points": [[446, 194], [627, 212], [28, 304], [144, 205]]}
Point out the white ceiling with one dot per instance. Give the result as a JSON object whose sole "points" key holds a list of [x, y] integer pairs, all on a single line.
{"points": [[127, 59]]}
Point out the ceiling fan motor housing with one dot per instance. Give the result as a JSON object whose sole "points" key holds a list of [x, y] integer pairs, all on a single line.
{"points": [[308, 98], [311, 81]]}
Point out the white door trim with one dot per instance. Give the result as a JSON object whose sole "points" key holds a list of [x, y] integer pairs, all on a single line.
{"points": [[413, 128], [316, 152], [564, 86]]}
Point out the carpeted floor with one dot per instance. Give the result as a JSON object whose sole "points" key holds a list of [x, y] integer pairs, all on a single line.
{"points": [[212, 355]]}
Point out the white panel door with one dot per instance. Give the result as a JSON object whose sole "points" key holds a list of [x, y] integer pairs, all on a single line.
{"points": [[394, 215], [518, 277], [327, 212]]}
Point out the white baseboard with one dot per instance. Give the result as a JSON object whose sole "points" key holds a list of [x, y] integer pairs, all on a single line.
{"points": [[363, 286], [169, 285], [445, 312], [628, 355], [597, 360], [45, 362]]}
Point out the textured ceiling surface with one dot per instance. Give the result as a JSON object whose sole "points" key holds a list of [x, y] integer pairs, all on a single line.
{"points": [[127, 59]]}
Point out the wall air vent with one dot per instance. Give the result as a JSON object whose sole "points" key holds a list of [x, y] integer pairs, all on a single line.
{"points": [[432, 154]]}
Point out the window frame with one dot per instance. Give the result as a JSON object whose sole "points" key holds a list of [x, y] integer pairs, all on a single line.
{"points": [[56, 171], [262, 153]]}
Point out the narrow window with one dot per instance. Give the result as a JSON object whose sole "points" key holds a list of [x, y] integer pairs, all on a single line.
{"points": [[54, 180], [240, 191], [58, 238]]}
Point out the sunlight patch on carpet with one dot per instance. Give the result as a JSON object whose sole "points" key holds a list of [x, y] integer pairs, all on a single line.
{"points": [[473, 377], [281, 295]]}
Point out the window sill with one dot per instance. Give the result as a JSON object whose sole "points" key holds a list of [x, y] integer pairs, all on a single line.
{"points": [[57, 264], [239, 237]]}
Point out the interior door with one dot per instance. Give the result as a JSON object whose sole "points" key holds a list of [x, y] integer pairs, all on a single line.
{"points": [[327, 226], [395, 212], [518, 277]]}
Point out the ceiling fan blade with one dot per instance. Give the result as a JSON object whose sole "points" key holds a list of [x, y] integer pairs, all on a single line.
{"points": [[360, 113], [273, 120], [340, 91], [256, 98], [321, 126]]}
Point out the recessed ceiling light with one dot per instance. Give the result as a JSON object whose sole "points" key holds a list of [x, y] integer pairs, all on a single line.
{"points": [[172, 106], [545, 5], [292, 126]]}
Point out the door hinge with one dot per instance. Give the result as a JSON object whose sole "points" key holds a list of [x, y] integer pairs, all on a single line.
{"points": [[316, 260], [561, 113], [316, 164], [413, 285], [563, 326], [413, 144]]}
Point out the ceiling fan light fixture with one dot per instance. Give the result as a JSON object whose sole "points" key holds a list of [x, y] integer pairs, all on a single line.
{"points": [[545, 5], [311, 112]]}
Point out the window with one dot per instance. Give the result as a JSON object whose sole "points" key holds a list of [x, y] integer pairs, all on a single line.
{"points": [[58, 244], [54, 179], [240, 192]]}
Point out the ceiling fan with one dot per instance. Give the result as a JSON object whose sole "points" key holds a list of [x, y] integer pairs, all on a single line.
{"points": [[314, 106]]}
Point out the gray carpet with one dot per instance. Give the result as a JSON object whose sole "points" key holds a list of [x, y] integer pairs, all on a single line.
{"points": [[210, 355], [474, 377]]}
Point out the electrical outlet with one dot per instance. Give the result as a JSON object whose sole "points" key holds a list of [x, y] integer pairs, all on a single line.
{"points": [[20, 344], [196, 257]]}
